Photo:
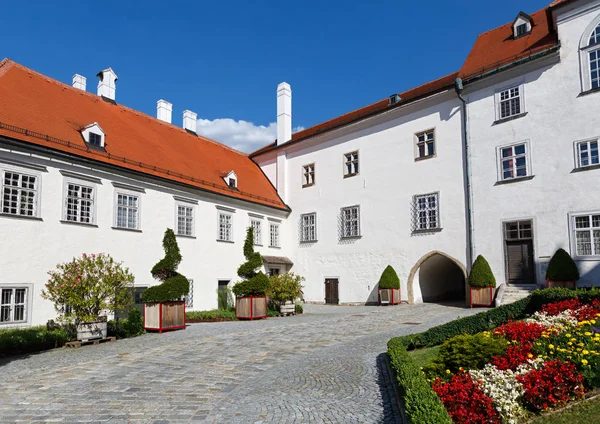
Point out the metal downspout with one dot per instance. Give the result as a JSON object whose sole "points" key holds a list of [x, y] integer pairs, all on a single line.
{"points": [[458, 86]]}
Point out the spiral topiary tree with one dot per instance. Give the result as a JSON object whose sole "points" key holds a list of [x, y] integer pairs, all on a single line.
{"points": [[562, 267], [174, 285], [254, 283], [481, 274], [389, 279]]}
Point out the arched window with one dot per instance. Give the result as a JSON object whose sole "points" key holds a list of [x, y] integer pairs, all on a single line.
{"points": [[589, 48], [594, 58]]}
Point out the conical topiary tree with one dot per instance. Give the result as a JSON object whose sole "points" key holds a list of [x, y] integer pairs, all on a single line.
{"points": [[254, 283], [481, 274], [389, 279], [562, 267], [174, 285]]}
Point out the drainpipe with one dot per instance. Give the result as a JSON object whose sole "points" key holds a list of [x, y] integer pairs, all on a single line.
{"points": [[458, 86]]}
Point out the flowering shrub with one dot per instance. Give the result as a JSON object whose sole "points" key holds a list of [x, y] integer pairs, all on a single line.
{"points": [[524, 333], [465, 401], [562, 319], [285, 287], [513, 358], [87, 287], [575, 308], [554, 384]]}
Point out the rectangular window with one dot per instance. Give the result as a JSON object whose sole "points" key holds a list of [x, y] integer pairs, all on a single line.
{"points": [[79, 205], [189, 298], [595, 68], [19, 194], [518, 230], [425, 144], [587, 153], [308, 175], [274, 235], [587, 234], [426, 210], [351, 164], [225, 224], [351, 222], [185, 220], [257, 227], [510, 102], [521, 30], [513, 161], [127, 211], [13, 305], [308, 231], [95, 139]]}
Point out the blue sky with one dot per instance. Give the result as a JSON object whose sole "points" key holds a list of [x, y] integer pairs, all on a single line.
{"points": [[224, 60]]}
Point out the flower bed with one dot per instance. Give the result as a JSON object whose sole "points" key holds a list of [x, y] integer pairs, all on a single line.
{"points": [[549, 359]]}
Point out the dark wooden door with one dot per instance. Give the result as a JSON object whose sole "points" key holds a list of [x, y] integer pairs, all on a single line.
{"points": [[519, 258], [332, 291]]}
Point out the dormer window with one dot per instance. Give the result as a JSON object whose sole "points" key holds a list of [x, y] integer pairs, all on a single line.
{"points": [[522, 25], [232, 183], [230, 179], [94, 135]]}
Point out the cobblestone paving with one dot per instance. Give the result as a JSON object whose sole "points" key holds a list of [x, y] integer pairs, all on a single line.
{"points": [[326, 366]]}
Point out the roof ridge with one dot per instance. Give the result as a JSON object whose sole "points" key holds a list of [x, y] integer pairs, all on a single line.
{"points": [[511, 22], [122, 106]]}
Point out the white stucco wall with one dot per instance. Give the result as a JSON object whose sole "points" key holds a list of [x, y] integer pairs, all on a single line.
{"points": [[33, 247], [557, 116], [389, 177]]}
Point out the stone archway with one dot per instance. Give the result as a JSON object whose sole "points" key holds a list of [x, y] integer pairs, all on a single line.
{"points": [[439, 276]]}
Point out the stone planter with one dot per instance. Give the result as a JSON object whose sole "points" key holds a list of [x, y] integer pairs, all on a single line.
{"points": [[164, 316], [251, 307], [92, 330], [562, 284], [389, 296], [481, 296], [287, 308]]}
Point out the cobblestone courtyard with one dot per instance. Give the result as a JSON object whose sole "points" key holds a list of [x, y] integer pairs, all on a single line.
{"points": [[323, 366]]}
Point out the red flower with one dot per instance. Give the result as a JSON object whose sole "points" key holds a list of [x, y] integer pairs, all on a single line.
{"points": [[525, 333], [514, 356], [580, 311]]}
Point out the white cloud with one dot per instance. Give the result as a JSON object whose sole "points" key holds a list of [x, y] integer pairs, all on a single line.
{"points": [[241, 135]]}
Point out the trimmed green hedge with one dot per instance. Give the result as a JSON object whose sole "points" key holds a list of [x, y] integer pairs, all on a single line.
{"points": [[175, 288], [14, 341], [481, 274], [132, 326], [421, 403], [562, 267], [389, 279]]}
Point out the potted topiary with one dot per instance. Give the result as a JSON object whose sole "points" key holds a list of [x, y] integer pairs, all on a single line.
{"points": [[562, 271], [86, 289], [482, 283], [284, 290], [251, 299], [389, 287], [164, 307]]}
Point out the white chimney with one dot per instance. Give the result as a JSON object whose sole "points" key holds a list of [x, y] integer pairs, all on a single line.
{"points": [[284, 113], [106, 84], [79, 81], [163, 110], [190, 120]]}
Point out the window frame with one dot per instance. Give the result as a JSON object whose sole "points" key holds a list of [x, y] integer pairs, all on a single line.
{"points": [[308, 171], [304, 239], [416, 213], [38, 190], [573, 234], [351, 161], [343, 233], [274, 235], [425, 142], [498, 102], [81, 183], [189, 297], [258, 240], [180, 204], [220, 213], [577, 152], [500, 161], [130, 193], [28, 304]]}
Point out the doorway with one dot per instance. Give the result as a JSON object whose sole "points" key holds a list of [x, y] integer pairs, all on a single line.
{"points": [[518, 242], [332, 294]]}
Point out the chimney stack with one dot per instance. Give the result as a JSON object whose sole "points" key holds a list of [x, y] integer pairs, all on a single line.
{"points": [[190, 120], [163, 110], [79, 81], [106, 83], [284, 113]]}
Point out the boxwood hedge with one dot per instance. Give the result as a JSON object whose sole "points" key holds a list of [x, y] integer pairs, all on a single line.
{"points": [[389, 279]]}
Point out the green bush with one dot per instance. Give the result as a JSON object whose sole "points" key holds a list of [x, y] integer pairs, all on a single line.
{"points": [[254, 283], [132, 326], [389, 279], [224, 298], [285, 287], [421, 404], [174, 285], [15, 341], [299, 308], [481, 274], [469, 351], [214, 315], [562, 267]]}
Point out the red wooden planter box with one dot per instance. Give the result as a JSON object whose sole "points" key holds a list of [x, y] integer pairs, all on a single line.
{"points": [[390, 296], [251, 307], [563, 284], [164, 316], [481, 296]]}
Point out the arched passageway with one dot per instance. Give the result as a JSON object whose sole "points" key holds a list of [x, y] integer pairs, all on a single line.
{"points": [[437, 277]]}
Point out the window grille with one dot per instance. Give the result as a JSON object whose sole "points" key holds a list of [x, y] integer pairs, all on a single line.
{"points": [[426, 210], [587, 234], [79, 203], [185, 220], [19, 194], [224, 227], [127, 211], [510, 102], [309, 227], [274, 235], [351, 222]]}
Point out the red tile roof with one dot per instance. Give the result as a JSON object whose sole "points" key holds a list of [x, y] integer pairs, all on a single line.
{"points": [[42, 111], [498, 47]]}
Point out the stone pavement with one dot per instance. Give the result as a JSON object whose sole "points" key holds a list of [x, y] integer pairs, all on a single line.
{"points": [[326, 366]]}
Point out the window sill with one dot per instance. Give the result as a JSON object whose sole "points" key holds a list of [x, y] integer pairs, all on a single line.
{"points": [[134, 230], [428, 230], [274, 247], [590, 91], [351, 175], [225, 241], [510, 118], [81, 224], [425, 157], [585, 168], [30, 218], [259, 245], [185, 236], [308, 241], [514, 180], [307, 185], [587, 258], [351, 237]]}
